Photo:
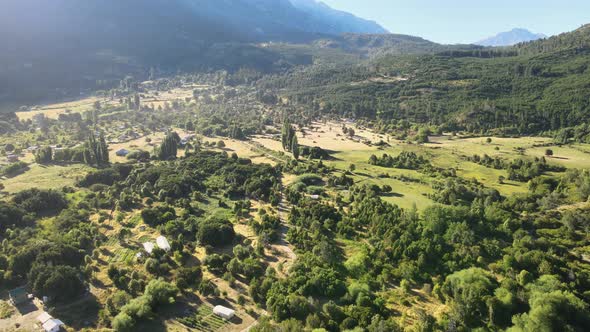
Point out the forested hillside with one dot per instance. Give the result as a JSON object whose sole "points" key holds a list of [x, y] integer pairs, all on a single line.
{"points": [[60, 48], [535, 87]]}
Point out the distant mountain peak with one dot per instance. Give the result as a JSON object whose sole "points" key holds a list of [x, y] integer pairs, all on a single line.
{"points": [[512, 37]]}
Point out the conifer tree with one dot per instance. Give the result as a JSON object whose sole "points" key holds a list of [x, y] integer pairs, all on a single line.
{"points": [[295, 147]]}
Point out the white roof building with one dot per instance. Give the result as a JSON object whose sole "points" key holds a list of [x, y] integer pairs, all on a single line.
{"points": [[149, 247], [163, 243], [53, 325], [223, 312], [44, 317]]}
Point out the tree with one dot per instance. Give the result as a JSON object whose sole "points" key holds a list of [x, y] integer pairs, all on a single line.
{"points": [[123, 323], [352, 167], [549, 153], [137, 101], [169, 147], [116, 301], [351, 132], [96, 152], [189, 126], [60, 283], [44, 155], [469, 290], [287, 135], [295, 147], [488, 140], [215, 232], [221, 144], [422, 136], [160, 292], [554, 311]]}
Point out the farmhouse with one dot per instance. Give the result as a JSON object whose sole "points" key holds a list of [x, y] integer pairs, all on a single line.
{"points": [[163, 243], [122, 153], [44, 317], [53, 325], [224, 312], [18, 296]]}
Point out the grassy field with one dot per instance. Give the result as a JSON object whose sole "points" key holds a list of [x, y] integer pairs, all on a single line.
{"points": [[242, 149], [52, 111], [45, 177], [443, 151], [152, 98]]}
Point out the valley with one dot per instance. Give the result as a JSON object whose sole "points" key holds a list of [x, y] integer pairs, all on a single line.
{"points": [[284, 166], [343, 161]]}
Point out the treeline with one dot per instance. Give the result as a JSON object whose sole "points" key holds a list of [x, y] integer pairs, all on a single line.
{"points": [[95, 152], [405, 160], [520, 169], [289, 139]]}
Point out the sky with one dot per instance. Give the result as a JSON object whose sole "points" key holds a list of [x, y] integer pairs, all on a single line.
{"points": [[467, 21]]}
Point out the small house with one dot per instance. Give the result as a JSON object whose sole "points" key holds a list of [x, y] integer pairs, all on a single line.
{"points": [[224, 312], [122, 153], [163, 243], [18, 296], [149, 247], [53, 325], [315, 197], [44, 317]]}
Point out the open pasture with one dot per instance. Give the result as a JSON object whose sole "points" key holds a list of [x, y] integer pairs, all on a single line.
{"points": [[53, 110], [243, 149], [45, 177], [412, 187]]}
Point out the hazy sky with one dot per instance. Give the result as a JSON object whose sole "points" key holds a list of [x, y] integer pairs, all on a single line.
{"points": [[464, 21]]}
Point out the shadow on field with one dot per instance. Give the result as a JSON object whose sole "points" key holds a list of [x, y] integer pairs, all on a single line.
{"points": [[393, 195]]}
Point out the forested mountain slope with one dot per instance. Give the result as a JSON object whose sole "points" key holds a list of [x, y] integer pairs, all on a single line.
{"points": [[52, 47], [530, 88]]}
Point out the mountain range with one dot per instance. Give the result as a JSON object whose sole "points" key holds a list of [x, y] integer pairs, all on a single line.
{"points": [[71, 43], [510, 38], [336, 20]]}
